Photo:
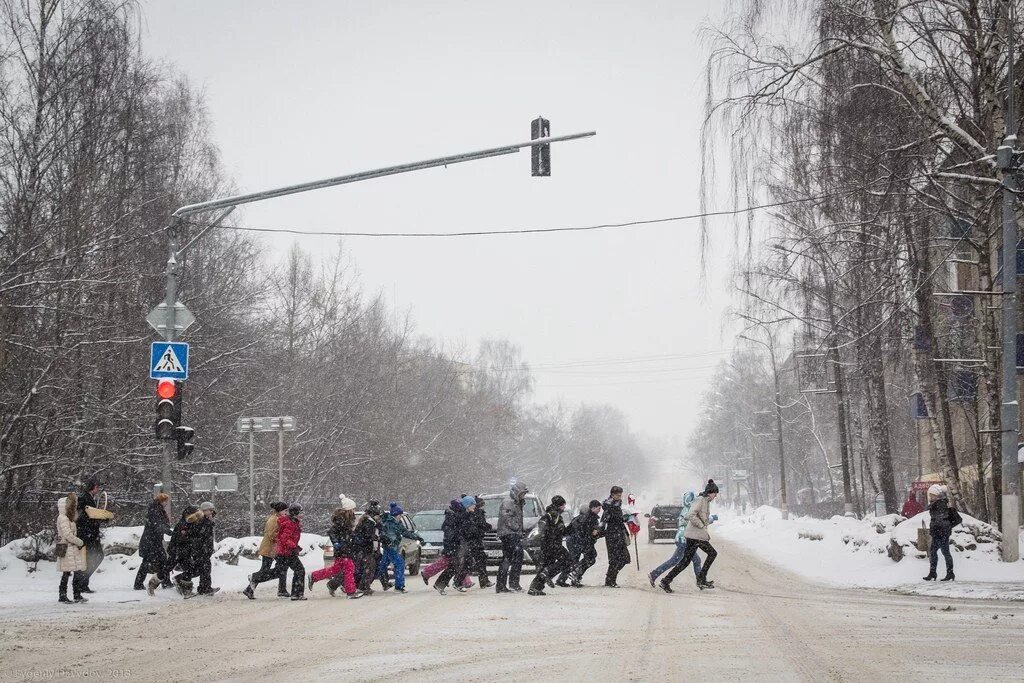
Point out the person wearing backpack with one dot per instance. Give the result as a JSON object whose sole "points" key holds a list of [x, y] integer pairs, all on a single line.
{"points": [[343, 571], [392, 531], [943, 519]]}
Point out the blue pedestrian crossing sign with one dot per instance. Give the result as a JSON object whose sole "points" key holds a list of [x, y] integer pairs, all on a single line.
{"points": [[168, 360]]}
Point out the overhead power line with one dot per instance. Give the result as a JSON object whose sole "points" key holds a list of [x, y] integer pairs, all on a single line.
{"points": [[531, 231]]}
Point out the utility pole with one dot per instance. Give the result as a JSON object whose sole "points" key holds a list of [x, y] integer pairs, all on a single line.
{"points": [[170, 299], [1010, 409]]}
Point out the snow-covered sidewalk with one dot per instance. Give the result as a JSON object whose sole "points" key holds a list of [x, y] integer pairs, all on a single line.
{"points": [[849, 552]]}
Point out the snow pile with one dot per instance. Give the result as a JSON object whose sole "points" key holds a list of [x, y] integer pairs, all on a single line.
{"points": [[845, 551], [29, 577]]}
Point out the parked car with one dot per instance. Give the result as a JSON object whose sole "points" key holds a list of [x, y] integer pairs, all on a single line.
{"points": [[428, 525], [533, 509], [662, 522]]}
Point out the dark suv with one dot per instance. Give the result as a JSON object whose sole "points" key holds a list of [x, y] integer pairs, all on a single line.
{"points": [[662, 522]]}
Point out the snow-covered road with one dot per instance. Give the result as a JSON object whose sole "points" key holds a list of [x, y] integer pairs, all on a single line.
{"points": [[761, 622]]}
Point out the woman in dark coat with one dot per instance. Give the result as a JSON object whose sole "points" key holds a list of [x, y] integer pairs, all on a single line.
{"points": [[151, 545], [941, 526]]}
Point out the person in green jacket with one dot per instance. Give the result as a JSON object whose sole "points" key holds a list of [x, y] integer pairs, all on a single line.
{"points": [[392, 531]]}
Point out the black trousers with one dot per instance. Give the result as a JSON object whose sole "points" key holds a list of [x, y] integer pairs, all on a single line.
{"points": [[552, 564], [268, 570], [286, 562], [152, 564], [366, 569], [618, 556], [511, 562], [201, 567], [77, 583], [581, 558], [692, 546], [477, 564], [456, 568]]}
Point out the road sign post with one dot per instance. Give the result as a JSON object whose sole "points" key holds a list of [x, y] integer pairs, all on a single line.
{"points": [[281, 424]]}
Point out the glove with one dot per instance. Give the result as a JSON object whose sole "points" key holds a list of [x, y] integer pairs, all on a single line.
{"points": [[714, 518]]}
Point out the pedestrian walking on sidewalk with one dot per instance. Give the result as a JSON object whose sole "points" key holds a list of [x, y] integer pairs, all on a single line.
{"points": [[697, 537], [943, 519], [151, 546], [71, 554]]}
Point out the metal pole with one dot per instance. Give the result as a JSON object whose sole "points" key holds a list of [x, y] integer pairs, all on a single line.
{"points": [[252, 480], [280, 461], [778, 426], [170, 299], [1010, 410], [367, 175]]}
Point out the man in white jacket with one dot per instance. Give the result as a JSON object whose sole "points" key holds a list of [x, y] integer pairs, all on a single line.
{"points": [[697, 537]]}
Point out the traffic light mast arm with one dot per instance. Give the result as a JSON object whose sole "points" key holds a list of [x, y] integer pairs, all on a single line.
{"points": [[368, 175]]}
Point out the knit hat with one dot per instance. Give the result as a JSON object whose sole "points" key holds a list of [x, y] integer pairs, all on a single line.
{"points": [[374, 509], [468, 501], [936, 491], [712, 487], [207, 505], [294, 509], [278, 506], [346, 502], [395, 509]]}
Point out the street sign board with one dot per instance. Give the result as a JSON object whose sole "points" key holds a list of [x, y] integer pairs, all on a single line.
{"points": [[168, 360], [285, 423], [215, 482], [739, 475], [183, 319]]}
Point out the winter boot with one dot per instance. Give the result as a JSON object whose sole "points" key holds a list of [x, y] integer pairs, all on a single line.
{"points": [[64, 597], [562, 582], [651, 578], [309, 581], [949, 576], [283, 594], [486, 583], [665, 586], [249, 593], [440, 589], [426, 581], [576, 583], [501, 589], [356, 595], [931, 576], [400, 590], [705, 585], [611, 584], [80, 599], [536, 591], [299, 597], [152, 585]]}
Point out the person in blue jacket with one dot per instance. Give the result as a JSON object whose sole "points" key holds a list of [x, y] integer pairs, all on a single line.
{"points": [[392, 531], [688, 499]]}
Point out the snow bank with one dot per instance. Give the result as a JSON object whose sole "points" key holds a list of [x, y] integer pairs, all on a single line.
{"points": [[844, 551], [29, 577]]}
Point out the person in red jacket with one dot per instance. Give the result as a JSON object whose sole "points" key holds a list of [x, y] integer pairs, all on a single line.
{"points": [[286, 548], [911, 508]]}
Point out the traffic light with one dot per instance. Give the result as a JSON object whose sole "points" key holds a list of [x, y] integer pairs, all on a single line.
{"points": [[185, 437], [540, 155], [168, 408]]}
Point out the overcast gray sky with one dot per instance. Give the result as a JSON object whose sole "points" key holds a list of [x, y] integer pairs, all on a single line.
{"points": [[299, 91]]}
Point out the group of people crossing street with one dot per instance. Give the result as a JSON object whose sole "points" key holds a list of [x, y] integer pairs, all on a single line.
{"points": [[367, 546]]}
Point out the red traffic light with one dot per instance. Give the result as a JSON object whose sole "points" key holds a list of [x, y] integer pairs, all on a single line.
{"points": [[166, 388]]}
